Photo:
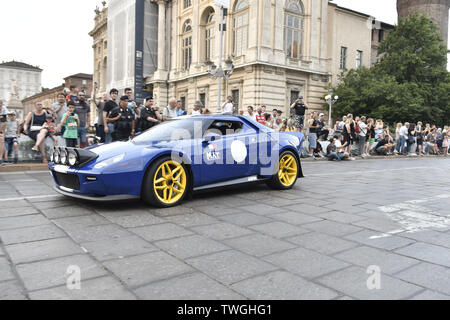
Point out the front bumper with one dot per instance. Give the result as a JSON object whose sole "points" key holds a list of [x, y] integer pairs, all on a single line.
{"points": [[95, 185]]}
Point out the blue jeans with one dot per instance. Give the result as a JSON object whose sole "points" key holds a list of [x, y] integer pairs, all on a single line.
{"points": [[335, 156], [108, 136], [82, 132], [402, 145]]}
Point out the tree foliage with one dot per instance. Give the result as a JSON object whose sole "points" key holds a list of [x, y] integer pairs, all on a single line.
{"points": [[409, 83]]}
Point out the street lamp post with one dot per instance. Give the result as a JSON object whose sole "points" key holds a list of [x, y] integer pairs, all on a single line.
{"points": [[331, 101], [220, 72]]}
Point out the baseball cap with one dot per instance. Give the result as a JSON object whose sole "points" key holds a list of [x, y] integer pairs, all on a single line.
{"points": [[321, 115], [123, 98]]}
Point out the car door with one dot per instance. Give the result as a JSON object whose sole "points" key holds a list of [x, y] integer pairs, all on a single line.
{"points": [[231, 154]]}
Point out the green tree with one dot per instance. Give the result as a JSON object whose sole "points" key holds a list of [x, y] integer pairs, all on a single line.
{"points": [[409, 83]]}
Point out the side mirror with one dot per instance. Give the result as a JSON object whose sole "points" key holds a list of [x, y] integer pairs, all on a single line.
{"points": [[211, 137]]}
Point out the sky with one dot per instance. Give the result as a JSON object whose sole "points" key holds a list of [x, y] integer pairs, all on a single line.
{"points": [[53, 34]]}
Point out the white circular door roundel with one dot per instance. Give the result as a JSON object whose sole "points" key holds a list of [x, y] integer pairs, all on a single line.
{"points": [[238, 151]]}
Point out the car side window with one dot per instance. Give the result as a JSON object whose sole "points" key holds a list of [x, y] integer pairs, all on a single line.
{"points": [[225, 128]]}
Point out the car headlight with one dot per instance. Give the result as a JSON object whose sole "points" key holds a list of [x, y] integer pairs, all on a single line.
{"points": [[72, 158], [110, 161], [57, 156], [63, 156]]}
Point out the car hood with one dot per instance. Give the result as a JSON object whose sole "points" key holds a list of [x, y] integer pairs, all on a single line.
{"points": [[107, 151]]}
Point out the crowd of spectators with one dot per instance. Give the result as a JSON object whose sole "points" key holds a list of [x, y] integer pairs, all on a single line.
{"points": [[67, 121]]}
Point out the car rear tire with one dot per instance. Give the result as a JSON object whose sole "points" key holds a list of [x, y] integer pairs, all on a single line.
{"points": [[166, 183], [288, 172]]}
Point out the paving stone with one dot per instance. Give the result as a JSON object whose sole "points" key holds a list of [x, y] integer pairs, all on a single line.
{"points": [[23, 222], [279, 229], [381, 225], [195, 286], [389, 263], [428, 275], [322, 243], [161, 232], [218, 210], [191, 246], [341, 217], [295, 218], [230, 267], [53, 273], [279, 202], [352, 282], [134, 220], [64, 212], [245, 219], [427, 252], [263, 209], [15, 212], [42, 250], [344, 207], [379, 240], [430, 295], [305, 263], [74, 223], [331, 228], [104, 288], [65, 202], [5, 270], [221, 231], [14, 204], [307, 208], [11, 290], [192, 220], [178, 210], [30, 234], [281, 285], [147, 268], [97, 233], [259, 245], [429, 236], [117, 248]]}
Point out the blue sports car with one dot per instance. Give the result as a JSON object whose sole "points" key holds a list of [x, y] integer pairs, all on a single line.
{"points": [[168, 162]]}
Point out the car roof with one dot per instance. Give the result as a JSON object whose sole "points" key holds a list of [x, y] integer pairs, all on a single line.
{"points": [[225, 117]]}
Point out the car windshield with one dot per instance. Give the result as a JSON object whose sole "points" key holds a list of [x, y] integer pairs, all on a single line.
{"points": [[173, 130]]}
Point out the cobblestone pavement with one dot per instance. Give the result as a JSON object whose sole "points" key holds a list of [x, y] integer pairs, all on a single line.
{"points": [[320, 240]]}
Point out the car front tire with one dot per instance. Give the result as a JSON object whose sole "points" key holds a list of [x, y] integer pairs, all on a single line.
{"points": [[166, 183]]}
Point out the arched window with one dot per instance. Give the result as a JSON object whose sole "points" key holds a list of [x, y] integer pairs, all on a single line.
{"points": [[209, 35], [240, 27], [293, 28], [186, 44]]}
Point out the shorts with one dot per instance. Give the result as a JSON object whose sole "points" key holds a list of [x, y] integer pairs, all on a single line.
{"points": [[381, 149], [312, 138], [11, 141], [372, 141], [299, 122], [419, 141]]}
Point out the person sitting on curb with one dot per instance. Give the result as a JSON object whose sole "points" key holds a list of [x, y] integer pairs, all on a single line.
{"points": [[384, 146]]}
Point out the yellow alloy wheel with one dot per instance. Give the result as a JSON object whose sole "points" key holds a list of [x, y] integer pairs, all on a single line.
{"points": [[170, 182], [288, 171]]}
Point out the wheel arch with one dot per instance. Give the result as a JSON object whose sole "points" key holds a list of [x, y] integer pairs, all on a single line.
{"points": [[297, 156]]}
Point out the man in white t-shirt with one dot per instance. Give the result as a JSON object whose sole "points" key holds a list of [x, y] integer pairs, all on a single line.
{"points": [[170, 112], [251, 113], [228, 106], [197, 111]]}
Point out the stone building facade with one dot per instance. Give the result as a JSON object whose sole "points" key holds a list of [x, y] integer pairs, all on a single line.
{"points": [[27, 77], [280, 49], [100, 47]]}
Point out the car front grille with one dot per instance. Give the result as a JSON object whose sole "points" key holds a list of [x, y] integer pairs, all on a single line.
{"points": [[70, 181]]}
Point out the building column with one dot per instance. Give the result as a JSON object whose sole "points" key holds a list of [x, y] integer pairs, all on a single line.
{"points": [[161, 73]]}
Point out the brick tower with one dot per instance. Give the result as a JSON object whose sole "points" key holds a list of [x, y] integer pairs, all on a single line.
{"points": [[437, 10]]}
